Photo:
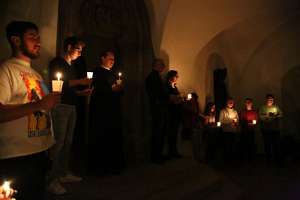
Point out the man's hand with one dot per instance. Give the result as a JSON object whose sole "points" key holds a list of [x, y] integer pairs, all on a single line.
{"points": [[85, 81], [49, 101], [85, 92], [117, 87]]}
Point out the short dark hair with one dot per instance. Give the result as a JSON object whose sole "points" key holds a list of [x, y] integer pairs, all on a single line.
{"points": [[268, 96], [171, 74], [73, 41], [18, 28], [208, 107], [249, 99], [229, 99], [157, 60], [106, 52]]}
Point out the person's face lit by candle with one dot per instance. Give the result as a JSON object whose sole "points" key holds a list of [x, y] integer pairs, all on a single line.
{"points": [[108, 60], [212, 109], [230, 103], [249, 104], [270, 101], [74, 52], [29, 44]]}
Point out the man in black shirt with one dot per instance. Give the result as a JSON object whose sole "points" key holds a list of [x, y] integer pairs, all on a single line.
{"points": [[64, 115], [106, 153], [158, 107]]}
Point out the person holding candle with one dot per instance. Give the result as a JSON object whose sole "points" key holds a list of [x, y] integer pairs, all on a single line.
{"points": [[106, 155], [248, 120], [158, 97], [211, 133], [190, 118], [64, 114], [175, 113], [229, 119], [270, 115], [25, 123]]}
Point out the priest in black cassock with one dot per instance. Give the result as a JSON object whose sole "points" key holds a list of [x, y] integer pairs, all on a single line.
{"points": [[105, 135]]}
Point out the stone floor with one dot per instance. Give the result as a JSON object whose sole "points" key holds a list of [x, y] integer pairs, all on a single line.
{"points": [[187, 179]]}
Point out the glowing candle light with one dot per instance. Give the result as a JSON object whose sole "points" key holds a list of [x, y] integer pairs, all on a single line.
{"points": [[6, 190], [57, 84], [119, 81], [189, 96], [254, 122], [218, 124], [58, 75], [89, 75]]}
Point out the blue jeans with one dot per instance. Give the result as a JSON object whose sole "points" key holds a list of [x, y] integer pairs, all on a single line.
{"points": [[64, 118]]}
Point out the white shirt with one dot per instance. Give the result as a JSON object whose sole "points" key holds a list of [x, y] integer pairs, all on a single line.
{"points": [[20, 84]]}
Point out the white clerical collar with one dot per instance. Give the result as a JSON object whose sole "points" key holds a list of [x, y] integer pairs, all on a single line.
{"points": [[105, 67]]}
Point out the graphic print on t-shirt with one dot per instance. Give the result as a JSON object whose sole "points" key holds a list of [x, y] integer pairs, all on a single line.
{"points": [[39, 122]]}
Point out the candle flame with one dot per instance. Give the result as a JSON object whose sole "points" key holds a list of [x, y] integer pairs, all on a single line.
{"points": [[218, 124], [189, 96], [6, 186], [58, 75], [120, 74], [254, 121]]}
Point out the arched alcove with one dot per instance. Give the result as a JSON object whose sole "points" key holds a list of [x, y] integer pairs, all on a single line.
{"points": [[121, 25]]}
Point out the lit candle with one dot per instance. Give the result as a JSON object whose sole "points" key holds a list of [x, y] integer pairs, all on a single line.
{"points": [[57, 84], [119, 81], [189, 96], [218, 124], [89, 75], [254, 122], [235, 120], [6, 190]]}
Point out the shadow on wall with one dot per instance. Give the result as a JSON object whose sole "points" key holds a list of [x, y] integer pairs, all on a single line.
{"points": [[290, 101], [165, 56]]}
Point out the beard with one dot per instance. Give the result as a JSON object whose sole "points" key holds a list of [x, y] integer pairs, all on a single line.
{"points": [[27, 53]]}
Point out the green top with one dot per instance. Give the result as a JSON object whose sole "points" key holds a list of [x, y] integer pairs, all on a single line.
{"points": [[267, 113], [269, 116]]}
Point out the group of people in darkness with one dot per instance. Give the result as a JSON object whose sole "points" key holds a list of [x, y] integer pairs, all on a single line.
{"points": [[37, 125], [227, 131], [236, 131]]}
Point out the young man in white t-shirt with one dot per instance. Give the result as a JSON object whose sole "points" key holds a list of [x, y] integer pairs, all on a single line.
{"points": [[25, 123]]}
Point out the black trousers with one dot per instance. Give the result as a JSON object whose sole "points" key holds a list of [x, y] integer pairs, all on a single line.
{"points": [[272, 145], [247, 143], [27, 175], [212, 140], [230, 146], [173, 129], [159, 130]]}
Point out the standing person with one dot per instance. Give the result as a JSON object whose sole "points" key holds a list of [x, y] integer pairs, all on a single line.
{"points": [[229, 119], [64, 114], [106, 154], [25, 124], [211, 132], [175, 113], [248, 120], [158, 108], [190, 116], [270, 115]]}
